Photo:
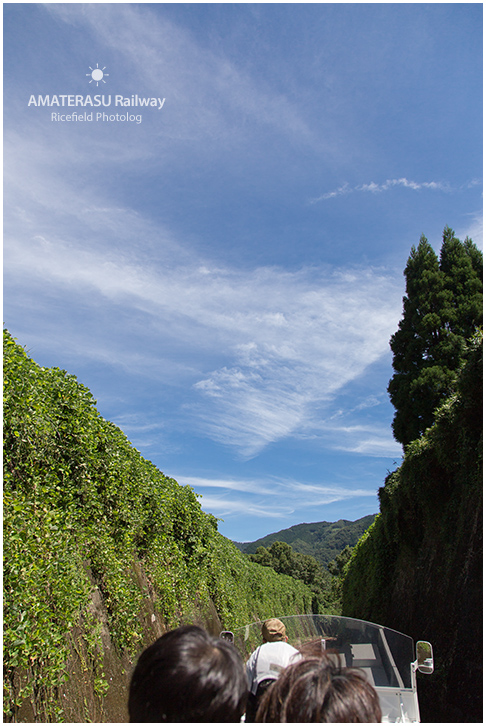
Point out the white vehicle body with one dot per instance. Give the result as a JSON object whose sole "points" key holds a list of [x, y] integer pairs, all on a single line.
{"points": [[387, 657]]}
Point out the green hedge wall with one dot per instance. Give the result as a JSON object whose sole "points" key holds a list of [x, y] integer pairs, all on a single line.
{"points": [[84, 512]]}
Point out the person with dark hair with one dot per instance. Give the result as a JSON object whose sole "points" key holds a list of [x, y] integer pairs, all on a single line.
{"points": [[188, 675], [316, 690]]}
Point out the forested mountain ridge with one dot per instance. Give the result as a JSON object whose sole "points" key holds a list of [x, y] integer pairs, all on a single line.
{"points": [[102, 554], [322, 540]]}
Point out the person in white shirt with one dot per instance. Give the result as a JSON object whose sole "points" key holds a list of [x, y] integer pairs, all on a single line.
{"points": [[266, 663]]}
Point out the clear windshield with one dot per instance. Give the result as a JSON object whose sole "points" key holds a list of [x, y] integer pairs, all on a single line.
{"points": [[383, 654]]}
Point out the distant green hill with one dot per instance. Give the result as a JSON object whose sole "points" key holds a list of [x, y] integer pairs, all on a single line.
{"points": [[322, 540]]}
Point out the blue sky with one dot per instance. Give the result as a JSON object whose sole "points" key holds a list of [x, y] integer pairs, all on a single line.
{"points": [[226, 274]]}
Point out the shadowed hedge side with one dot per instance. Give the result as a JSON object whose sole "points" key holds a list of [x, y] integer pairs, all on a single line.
{"points": [[418, 568]]}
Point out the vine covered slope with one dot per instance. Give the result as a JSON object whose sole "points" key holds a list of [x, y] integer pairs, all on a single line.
{"points": [[102, 554]]}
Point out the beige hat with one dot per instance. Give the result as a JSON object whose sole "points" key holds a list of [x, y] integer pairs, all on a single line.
{"points": [[273, 630]]}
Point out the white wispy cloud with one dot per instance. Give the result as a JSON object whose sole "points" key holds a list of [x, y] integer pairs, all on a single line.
{"points": [[260, 349], [282, 341], [223, 507], [208, 97], [363, 438], [254, 486], [287, 496], [473, 228], [375, 188], [318, 335]]}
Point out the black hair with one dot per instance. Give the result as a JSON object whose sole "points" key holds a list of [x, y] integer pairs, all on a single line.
{"points": [[188, 675]]}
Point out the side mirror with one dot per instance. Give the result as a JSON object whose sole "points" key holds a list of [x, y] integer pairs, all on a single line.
{"points": [[425, 657], [227, 635]]}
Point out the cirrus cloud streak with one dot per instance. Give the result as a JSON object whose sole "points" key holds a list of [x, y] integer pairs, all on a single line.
{"points": [[288, 496], [375, 188]]}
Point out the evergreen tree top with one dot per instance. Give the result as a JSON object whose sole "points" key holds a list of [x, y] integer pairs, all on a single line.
{"points": [[442, 309]]}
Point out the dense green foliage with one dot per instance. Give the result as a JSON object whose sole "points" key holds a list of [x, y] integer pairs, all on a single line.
{"points": [[86, 520], [336, 567], [418, 569], [442, 309], [322, 540], [284, 559]]}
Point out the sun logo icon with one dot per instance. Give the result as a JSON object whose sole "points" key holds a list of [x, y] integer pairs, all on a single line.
{"points": [[97, 74]]}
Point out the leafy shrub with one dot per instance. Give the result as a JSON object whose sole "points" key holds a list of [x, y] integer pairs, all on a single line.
{"points": [[281, 557]]}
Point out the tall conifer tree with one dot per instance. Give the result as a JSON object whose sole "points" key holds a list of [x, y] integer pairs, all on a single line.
{"points": [[441, 309], [461, 264]]}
